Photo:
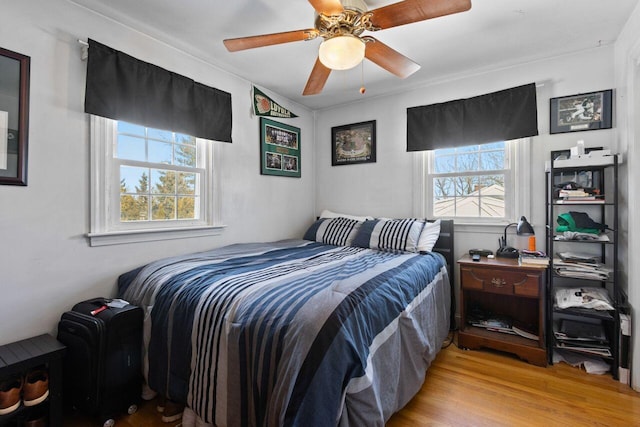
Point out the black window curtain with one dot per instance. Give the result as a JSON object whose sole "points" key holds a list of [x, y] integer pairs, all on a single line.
{"points": [[498, 116], [121, 87]]}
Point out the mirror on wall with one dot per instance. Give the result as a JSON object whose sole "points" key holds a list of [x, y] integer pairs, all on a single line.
{"points": [[14, 117]]}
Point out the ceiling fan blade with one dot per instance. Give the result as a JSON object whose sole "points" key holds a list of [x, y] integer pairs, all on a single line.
{"points": [[317, 79], [389, 59], [327, 7], [242, 43], [408, 11]]}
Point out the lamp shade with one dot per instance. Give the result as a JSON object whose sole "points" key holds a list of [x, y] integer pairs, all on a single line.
{"points": [[524, 228], [341, 52]]}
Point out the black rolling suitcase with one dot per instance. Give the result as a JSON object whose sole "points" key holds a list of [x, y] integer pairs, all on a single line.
{"points": [[102, 366]]}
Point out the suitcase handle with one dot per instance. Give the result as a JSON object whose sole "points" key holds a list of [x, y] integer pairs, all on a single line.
{"points": [[98, 302]]}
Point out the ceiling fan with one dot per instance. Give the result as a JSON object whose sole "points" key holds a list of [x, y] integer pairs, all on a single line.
{"points": [[341, 22]]}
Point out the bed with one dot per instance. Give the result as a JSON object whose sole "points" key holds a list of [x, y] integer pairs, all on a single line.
{"points": [[326, 330]]}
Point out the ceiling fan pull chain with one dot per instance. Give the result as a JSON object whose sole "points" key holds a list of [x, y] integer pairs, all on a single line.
{"points": [[362, 88]]}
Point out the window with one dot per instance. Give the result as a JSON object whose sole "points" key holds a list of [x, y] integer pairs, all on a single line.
{"points": [[150, 184], [477, 183]]}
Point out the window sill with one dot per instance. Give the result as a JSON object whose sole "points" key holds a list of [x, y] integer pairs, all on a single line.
{"points": [[151, 235]]}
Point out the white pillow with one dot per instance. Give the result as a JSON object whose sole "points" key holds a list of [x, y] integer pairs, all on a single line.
{"points": [[429, 236], [328, 214]]}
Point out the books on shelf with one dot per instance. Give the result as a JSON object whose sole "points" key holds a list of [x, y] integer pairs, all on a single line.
{"points": [[502, 324], [584, 337], [533, 258]]}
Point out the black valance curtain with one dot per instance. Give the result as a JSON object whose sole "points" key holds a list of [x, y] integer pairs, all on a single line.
{"points": [[121, 87], [498, 116]]}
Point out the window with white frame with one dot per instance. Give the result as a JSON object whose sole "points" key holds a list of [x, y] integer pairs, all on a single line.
{"points": [[150, 184], [477, 183]]}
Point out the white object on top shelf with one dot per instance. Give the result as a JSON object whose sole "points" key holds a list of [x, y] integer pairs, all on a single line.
{"points": [[592, 158]]}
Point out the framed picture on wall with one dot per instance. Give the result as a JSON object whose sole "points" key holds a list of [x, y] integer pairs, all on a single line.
{"points": [[584, 111], [15, 70], [279, 149], [354, 143]]}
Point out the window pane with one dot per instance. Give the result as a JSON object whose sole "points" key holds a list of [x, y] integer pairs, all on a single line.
{"points": [[163, 135], [467, 162], [131, 148], [163, 208], [445, 164], [493, 146], [186, 207], [130, 128], [185, 155], [161, 152], [134, 179], [160, 193], [186, 183], [492, 184], [185, 139], [163, 181], [467, 206], [460, 189], [466, 185], [467, 149], [492, 160], [134, 208], [444, 187]]}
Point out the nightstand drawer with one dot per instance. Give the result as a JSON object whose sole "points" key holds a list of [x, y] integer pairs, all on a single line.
{"points": [[501, 281]]}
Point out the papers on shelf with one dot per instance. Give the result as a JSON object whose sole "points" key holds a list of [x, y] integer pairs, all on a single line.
{"points": [[581, 270], [582, 337], [577, 235], [578, 257], [503, 324]]}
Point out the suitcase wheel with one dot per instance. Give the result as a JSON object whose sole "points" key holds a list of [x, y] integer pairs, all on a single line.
{"points": [[109, 423], [132, 409]]}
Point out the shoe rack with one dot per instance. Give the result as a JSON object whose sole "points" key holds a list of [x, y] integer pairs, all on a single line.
{"points": [[20, 358]]}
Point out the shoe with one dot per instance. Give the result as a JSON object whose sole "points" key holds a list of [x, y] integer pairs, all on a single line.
{"points": [[172, 411], [162, 401], [10, 389], [36, 386], [147, 392], [41, 421]]}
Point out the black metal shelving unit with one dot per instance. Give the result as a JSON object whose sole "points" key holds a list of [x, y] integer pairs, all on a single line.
{"points": [[604, 177]]}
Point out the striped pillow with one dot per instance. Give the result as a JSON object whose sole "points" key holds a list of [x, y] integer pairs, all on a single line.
{"points": [[396, 235], [333, 231]]}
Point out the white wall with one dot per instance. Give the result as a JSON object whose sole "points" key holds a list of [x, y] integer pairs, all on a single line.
{"points": [[627, 65], [46, 264]]}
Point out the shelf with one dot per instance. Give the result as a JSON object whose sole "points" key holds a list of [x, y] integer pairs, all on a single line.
{"points": [[603, 177], [501, 336], [585, 312], [586, 353], [590, 242]]}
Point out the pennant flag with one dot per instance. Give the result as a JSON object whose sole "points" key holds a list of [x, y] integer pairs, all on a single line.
{"points": [[265, 106]]}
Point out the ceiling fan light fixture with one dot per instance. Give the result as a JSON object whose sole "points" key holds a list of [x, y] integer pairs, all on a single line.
{"points": [[341, 52]]}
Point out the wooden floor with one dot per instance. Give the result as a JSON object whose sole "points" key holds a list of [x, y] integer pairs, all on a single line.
{"points": [[483, 388]]}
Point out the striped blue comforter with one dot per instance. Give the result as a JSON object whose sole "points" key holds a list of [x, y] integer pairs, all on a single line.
{"points": [[292, 333]]}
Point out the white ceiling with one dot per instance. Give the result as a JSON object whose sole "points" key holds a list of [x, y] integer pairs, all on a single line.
{"points": [[493, 34]]}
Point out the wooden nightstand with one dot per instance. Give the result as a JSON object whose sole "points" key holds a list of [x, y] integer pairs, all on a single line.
{"points": [[503, 288]]}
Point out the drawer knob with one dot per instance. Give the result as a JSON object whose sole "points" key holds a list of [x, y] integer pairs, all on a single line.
{"points": [[498, 282]]}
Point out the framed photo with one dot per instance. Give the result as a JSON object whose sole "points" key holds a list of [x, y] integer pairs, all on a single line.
{"points": [[279, 149], [355, 143], [585, 111], [14, 117]]}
